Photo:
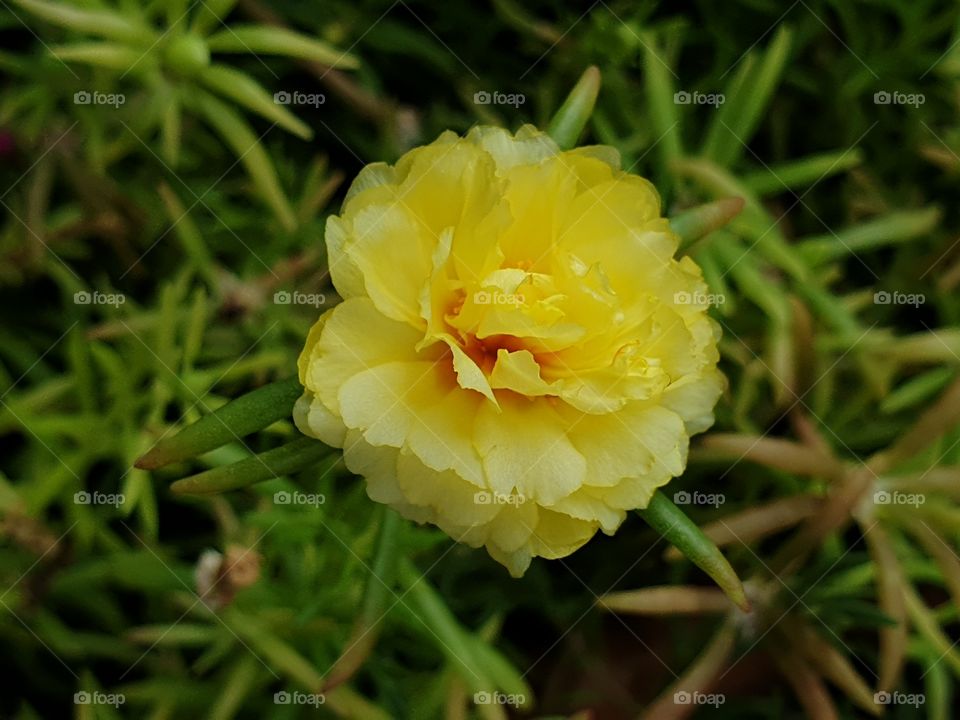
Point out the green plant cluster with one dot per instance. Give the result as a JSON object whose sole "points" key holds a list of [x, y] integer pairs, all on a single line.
{"points": [[166, 169]]}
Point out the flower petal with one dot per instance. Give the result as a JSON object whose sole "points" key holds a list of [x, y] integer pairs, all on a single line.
{"points": [[526, 449]]}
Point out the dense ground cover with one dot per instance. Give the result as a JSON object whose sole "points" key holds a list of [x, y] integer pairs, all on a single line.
{"points": [[161, 253]]}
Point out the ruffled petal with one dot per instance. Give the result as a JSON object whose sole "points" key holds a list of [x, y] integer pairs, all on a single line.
{"points": [[526, 449], [519, 358]]}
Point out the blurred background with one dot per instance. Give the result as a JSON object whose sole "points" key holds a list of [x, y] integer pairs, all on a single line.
{"points": [[166, 169]]}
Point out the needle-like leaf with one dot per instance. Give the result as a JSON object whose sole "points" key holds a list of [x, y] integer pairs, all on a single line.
{"points": [[240, 417], [246, 91], [572, 117], [695, 223], [241, 139], [286, 459], [102, 23], [267, 40], [677, 529], [111, 55]]}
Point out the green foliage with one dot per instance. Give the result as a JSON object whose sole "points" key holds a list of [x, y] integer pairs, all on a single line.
{"points": [[142, 290], [166, 57]]}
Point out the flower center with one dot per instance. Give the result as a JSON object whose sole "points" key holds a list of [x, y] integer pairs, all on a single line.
{"points": [[484, 351]]}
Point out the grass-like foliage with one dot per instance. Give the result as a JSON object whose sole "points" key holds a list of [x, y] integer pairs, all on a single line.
{"points": [[166, 169]]}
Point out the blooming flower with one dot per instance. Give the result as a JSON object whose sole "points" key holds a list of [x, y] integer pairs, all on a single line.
{"points": [[518, 357]]}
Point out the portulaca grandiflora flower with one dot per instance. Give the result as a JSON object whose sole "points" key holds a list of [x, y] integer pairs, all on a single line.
{"points": [[519, 358]]}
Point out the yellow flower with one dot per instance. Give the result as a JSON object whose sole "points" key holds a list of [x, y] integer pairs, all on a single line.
{"points": [[518, 357]]}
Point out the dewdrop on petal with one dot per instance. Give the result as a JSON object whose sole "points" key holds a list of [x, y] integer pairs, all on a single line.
{"points": [[518, 359]]}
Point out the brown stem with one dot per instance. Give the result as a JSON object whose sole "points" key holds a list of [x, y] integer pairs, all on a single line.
{"points": [[700, 677], [777, 453], [890, 590], [936, 420], [756, 523], [808, 687], [667, 600]]}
